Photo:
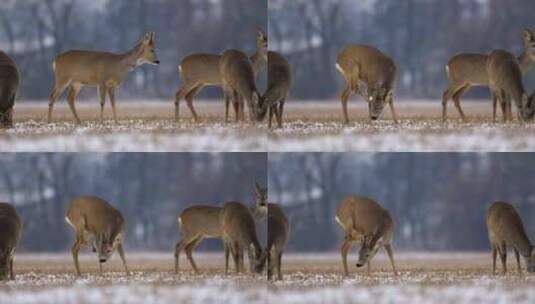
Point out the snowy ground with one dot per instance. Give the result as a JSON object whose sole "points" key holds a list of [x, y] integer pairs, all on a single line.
{"points": [[308, 278], [312, 126]]}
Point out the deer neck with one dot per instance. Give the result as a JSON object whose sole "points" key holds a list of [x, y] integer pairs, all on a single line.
{"points": [[526, 62], [259, 59], [129, 60]]}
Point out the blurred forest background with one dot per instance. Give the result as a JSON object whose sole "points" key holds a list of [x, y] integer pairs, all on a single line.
{"points": [[438, 200], [150, 189], [33, 32], [420, 35]]}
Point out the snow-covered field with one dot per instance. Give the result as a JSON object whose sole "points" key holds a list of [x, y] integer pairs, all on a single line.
{"points": [[312, 126], [308, 278]]}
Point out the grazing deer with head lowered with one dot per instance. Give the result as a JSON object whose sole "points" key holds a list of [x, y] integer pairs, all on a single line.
{"points": [[505, 82], [468, 70], [365, 221], [200, 70], [10, 232], [238, 82], [278, 231], [201, 222], [98, 225], [239, 234], [505, 229], [362, 63], [9, 85], [279, 83], [75, 69]]}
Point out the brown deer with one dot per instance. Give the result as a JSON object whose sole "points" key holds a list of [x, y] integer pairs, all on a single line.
{"points": [[201, 222], [238, 83], [10, 232], [468, 70], [365, 221], [199, 70], [99, 225], [361, 63], [278, 231], [505, 229], [239, 234], [9, 85], [505, 82], [106, 71], [279, 84]]}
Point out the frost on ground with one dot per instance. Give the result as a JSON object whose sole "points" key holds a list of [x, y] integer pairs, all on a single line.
{"points": [[308, 278], [309, 126]]}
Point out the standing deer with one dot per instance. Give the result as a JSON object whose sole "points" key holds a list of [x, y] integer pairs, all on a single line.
{"points": [[96, 224], [365, 221], [505, 229], [201, 222], [468, 70], [104, 70], [196, 223], [10, 232], [278, 230], [279, 83], [361, 63], [9, 85], [238, 82], [239, 234], [200, 70], [505, 81]]}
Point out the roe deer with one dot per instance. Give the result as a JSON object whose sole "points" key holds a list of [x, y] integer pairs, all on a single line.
{"points": [[10, 231], [200, 70], [505, 229], [279, 83], [9, 85], [278, 230], [362, 63], [238, 82], [104, 70], [200, 222], [196, 223], [365, 221], [239, 234], [468, 70], [505, 82], [98, 225]]}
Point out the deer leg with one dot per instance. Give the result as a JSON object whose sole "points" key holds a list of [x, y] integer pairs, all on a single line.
{"points": [[457, 101], [235, 257], [270, 116], [389, 251], [59, 88], [179, 247], [279, 113], [344, 98], [111, 94], [503, 257], [71, 98], [227, 104], [494, 104], [185, 90], [503, 107], [494, 254], [75, 250], [227, 252], [189, 250], [517, 256], [392, 110], [123, 259], [236, 106], [279, 273], [189, 100], [102, 97], [346, 245], [445, 97], [11, 272]]}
